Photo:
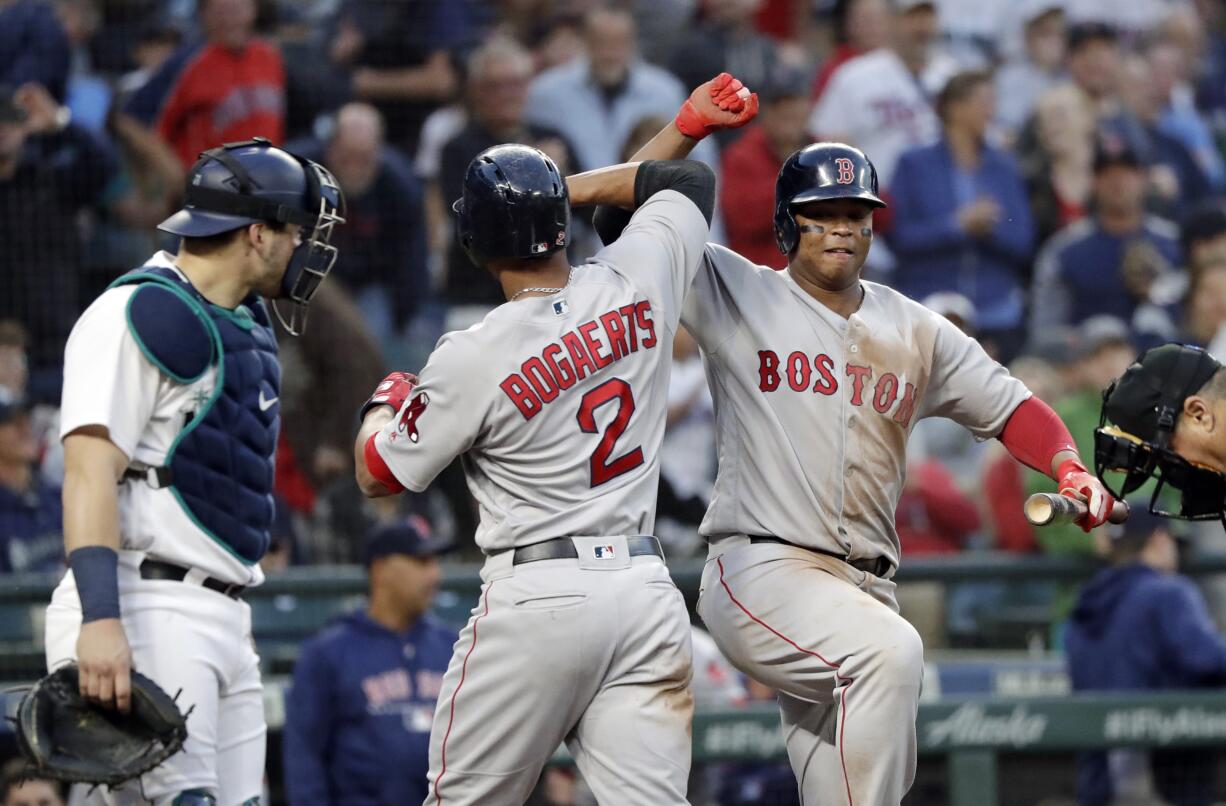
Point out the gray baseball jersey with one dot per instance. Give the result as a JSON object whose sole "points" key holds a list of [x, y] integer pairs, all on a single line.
{"points": [[558, 406], [812, 414], [558, 403], [813, 410]]}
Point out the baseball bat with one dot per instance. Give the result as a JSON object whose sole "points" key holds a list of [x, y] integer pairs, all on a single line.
{"points": [[1044, 509]]}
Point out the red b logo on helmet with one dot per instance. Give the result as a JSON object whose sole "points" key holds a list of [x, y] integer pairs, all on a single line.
{"points": [[847, 171]]}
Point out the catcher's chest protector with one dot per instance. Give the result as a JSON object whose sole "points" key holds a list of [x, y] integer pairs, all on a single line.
{"points": [[221, 465]]}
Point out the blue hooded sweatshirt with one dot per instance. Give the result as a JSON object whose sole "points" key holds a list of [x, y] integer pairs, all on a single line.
{"points": [[1134, 628], [358, 716]]}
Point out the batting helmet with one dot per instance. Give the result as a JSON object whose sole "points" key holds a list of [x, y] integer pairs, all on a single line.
{"points": [[515, 205], [815, 173], [238, 184]]}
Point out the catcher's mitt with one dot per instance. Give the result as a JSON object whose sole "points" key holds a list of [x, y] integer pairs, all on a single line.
{"points": [[66, 737]]}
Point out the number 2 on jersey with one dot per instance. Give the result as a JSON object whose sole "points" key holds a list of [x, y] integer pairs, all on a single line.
{"points": [[602, 468]]}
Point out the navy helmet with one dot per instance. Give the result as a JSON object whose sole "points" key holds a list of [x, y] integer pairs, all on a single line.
{"points": [[816, 173], [515, 205], [238, 184]]}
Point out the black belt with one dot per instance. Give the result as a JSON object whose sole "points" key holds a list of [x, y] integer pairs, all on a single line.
{"points": [[157, 477], [156, 569], [563, 548], [877, 566]]}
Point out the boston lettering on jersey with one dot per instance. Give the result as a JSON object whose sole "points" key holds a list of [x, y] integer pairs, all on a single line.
{"points": [[579, 353], [801, 375]]}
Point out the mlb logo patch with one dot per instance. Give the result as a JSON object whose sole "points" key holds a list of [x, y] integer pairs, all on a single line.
{"points": [[604, 552], [560, 308]]}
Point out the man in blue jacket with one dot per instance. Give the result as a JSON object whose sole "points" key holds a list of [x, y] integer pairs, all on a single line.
{"points": [[1139, 625], [357, 727], [961, 219]]}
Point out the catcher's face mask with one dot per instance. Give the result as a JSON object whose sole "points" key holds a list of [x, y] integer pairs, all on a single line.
{"points": [[314, 258], [237, 184], [1125, 462]]}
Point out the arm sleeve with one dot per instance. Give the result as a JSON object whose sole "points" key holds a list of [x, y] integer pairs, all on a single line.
{"points": [[661, 249], [694, 180], [609, 222], [967, 386], [307, 728], [1034, 434], [438, 422], [107, 379], [1191, 642], [691, 179]]}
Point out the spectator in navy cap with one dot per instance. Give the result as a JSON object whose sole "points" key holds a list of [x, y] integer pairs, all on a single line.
{"points": [[1121, 261], [357, 726]]}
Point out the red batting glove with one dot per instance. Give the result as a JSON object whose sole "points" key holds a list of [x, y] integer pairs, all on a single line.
{"points": [[1077, 482], [721, 103], [391, 391]]}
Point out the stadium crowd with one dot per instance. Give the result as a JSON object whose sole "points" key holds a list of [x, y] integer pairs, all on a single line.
{"points": [[1055, 172]]}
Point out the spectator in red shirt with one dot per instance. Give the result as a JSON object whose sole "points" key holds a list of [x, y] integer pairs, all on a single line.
{"points": [[933, 515], [750, 165], [229, 86]]}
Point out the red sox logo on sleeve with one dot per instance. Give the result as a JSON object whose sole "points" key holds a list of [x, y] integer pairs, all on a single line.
{"points": [[408, 420], [847, 171]]}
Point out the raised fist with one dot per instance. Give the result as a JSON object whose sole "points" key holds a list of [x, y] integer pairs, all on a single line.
{"points": [[721, 103]]}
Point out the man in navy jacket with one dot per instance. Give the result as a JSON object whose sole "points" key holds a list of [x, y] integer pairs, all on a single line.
{"points": [[1138, 625], [358, 716]]}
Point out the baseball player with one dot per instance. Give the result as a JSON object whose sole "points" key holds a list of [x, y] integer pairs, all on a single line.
{"points": [[1167, 414], [818, 378], [169, 420], [557, 403]]}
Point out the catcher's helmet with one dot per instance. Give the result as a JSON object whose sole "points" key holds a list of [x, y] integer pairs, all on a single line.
{"points": [[238, 184], [815, 173], [1143, 406], [515, 205]]}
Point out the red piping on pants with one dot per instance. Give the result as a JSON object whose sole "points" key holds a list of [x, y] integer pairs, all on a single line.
{"points": [[455, 695], [797, 647]]}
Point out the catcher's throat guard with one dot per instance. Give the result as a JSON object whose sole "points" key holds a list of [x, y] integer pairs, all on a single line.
{"points": [[65, 737]]}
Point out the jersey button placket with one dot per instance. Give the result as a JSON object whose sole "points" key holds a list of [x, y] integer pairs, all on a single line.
{"points": [[848, 414]]}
